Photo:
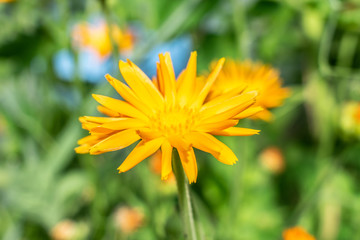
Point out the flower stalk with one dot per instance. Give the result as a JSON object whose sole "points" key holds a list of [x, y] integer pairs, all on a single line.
{"points": [[184, 198]]}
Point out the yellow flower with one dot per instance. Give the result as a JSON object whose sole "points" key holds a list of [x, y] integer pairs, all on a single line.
{"points": [[97, 38], [237, 77], [165, 113], [297, 233], [6, 1]]}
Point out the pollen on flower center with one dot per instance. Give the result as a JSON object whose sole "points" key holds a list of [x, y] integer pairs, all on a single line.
{"points": [[174, 120]]}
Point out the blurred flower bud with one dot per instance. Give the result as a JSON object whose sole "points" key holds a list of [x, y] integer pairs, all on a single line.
{"points": [[68, 230], [350, 119], [297, 233], [272, 160], [128, 220]]}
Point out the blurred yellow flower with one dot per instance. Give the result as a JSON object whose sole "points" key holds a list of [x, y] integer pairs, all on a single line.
{"points": [[297, 233], [6, 1], [237, 77], [272, 160], [165, 113], [97, 37], [350, 119], [128, 220]]}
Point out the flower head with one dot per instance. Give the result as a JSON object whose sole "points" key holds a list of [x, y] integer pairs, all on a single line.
{"points": [[237, 77], [297, 233], [165, 113], [97, 37]]}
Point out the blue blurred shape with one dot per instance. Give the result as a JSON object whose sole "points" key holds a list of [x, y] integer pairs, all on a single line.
{"points": [[64, 65], [92, 68], [179, 49]]}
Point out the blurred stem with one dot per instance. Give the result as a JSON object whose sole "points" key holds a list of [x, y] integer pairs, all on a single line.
{"points": [[173, 24], [325, 45], [184, 198], [109, 23], [240, 28], [310, 197], [244, 151]]}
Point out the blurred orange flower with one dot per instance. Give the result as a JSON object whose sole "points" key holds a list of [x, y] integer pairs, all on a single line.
{"points": [[6, 1], [128, 220], [97, 37], [237, 77], [272, 159], [64, 230], [166, 113], [350, 119], [297, 233]]}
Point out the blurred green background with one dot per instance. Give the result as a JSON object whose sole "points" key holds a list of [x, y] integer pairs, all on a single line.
{"points": [[49, 192]]}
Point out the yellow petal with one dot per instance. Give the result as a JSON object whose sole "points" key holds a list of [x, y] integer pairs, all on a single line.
{"points": [[99, 120], [128, 94], [187, 84], [101, 130], [222, 97], [208, 127], [148, 134], [228, 109], [82, 149], [166, 150], [159, 79], [168, 77], [188, 162], [180, 79], [89, 125], [249, 112], [265, 115], [86, 139], [119, 106], [208, 143], [141, 85], [208, 111], [209, 82], [179, 143], [236, 131], [116, 141], [124, 123], [143, 150], [107, 111]]}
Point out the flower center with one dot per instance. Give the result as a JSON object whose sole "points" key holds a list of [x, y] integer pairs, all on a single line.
{"points": [[174, 121]]}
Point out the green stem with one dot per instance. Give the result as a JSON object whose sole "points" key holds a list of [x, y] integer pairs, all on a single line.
{"points": [[109, 23], [184, 198], [240, 28]]}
